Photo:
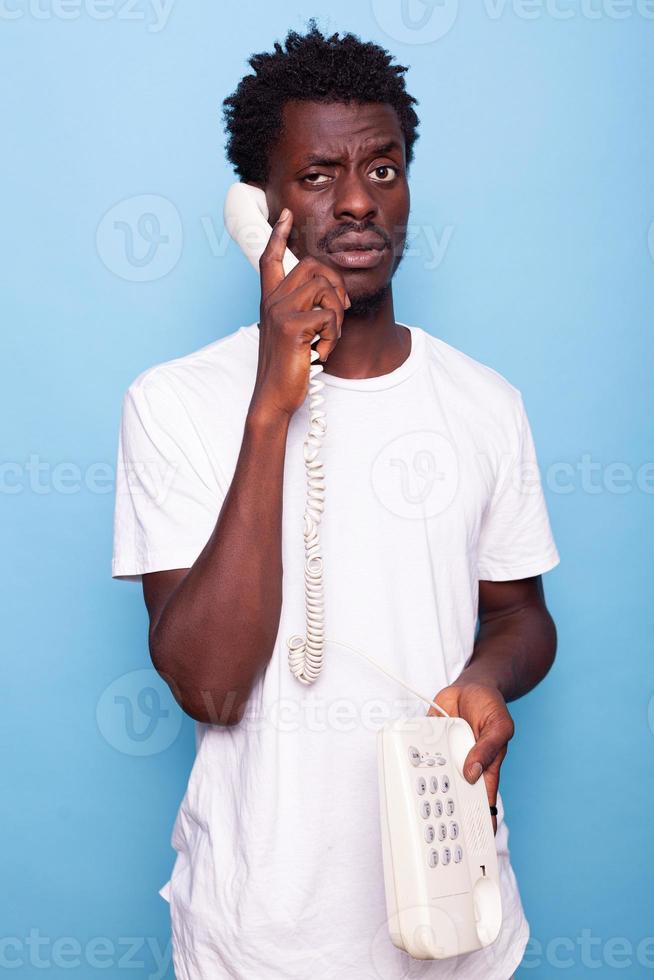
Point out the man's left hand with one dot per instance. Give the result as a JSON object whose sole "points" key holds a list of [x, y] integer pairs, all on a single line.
{"points": [[485, 710]]}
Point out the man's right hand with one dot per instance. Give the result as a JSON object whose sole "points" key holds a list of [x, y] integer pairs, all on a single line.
{"points": [[288, 323]]}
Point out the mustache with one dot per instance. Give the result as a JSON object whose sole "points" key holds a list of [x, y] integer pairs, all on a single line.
{"points": [[327, 240]]}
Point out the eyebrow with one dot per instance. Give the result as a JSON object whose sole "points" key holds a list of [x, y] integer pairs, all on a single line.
{"points": [[379, 149]]}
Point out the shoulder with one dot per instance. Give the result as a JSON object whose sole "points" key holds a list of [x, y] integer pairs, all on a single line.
{"points": [[214, 368], [476, 390]]}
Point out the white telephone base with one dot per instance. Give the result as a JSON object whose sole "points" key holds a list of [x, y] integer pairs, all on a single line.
{"points": [[440, 862]]}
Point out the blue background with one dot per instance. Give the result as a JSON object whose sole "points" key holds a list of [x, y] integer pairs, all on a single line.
{"points": [[534, 169]]}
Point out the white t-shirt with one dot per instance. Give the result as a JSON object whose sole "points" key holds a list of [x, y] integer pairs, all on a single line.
{"points": [[431, 485]]}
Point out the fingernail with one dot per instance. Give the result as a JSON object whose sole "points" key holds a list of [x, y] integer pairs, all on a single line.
{"points": [[348, 302], [284, 215], [475, 772]]}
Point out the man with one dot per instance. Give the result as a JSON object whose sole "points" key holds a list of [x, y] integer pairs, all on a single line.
{"points": [[434, 519]]}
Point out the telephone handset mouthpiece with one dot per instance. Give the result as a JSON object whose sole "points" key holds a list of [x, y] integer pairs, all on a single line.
{"points": [[245, 214]]}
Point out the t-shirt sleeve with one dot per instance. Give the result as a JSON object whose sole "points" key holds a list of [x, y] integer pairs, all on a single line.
{"points": [[516, 538], [167, 499]]}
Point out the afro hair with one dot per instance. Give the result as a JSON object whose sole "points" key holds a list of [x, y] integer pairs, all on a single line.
{"points": [[313, 68]]}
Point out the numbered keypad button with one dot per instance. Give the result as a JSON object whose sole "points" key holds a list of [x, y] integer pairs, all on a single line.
{"points": [[438, 808], [414, 755], [425, 809], [442, 831], [433, 858], [421, 785], [430, 833], [446, 855], [458, 854], [454, 829], [449, 807], [445, 784], [433, 784]]}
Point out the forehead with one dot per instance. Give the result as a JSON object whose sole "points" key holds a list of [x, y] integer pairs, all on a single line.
{"points": [[335, 129]]}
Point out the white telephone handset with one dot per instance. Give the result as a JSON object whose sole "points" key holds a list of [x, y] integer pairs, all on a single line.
{"points": [[440, 864], [246, 219]]}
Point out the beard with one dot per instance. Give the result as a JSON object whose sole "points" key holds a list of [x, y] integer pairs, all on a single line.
{"points": [[369, 302]]}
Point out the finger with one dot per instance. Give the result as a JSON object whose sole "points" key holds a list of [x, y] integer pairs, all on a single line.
{"points": [[271, 268], [492, 784], [491, 743], [317, 292], [310, 268], [323, 322]]}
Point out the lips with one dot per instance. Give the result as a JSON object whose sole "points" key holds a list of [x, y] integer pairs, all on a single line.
{"points": [[363, 251], [354, 243]]}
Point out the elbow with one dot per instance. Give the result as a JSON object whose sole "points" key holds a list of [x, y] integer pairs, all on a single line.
{"points": [[206, 702], [550, 639]]}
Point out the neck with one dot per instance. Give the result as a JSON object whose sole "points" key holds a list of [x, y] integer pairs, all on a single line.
{"points": [[371, 343]]}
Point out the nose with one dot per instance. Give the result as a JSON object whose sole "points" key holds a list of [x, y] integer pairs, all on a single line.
{"points": [[354, 200]]}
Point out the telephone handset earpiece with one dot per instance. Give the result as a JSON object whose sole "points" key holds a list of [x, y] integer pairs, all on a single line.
{"points": [[246, 219]]}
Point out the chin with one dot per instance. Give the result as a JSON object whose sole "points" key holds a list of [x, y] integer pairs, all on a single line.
{"points": [[368, 300]]}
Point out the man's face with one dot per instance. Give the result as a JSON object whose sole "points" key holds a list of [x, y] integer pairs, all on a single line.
{"points": [[341, 170]]}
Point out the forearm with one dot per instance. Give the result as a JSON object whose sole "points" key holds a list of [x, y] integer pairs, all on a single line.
{"points": [[513, 651], [217, 630]]}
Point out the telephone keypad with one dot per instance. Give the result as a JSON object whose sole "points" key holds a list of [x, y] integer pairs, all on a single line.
{"points": [[435, 808]]}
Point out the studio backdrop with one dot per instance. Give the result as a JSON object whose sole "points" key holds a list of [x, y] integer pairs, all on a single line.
{"points": [[531, 248]]}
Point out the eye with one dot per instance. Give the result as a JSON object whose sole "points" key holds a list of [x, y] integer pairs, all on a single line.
{"points": [[310, 177], [387, 174]]}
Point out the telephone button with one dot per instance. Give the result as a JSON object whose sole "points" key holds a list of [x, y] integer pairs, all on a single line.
{"points": [[430, 833], [454, 830], [438, 808], [449, 807], [421, 785], [445, 783], [446, 855], [458, 854], [433, 784], [425, 809], [414, 755], [433, 858], [442, 831]]}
